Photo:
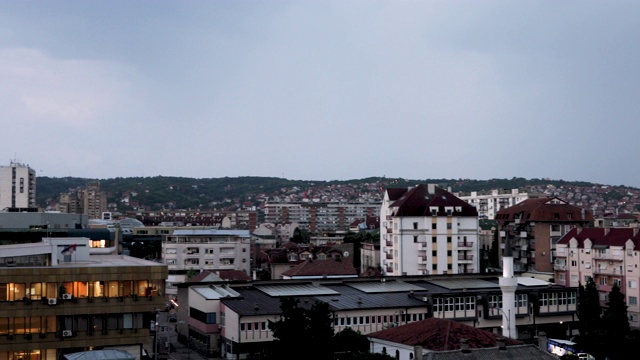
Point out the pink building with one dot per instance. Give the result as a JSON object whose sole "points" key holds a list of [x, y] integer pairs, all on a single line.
{"points": [[609, 256]]}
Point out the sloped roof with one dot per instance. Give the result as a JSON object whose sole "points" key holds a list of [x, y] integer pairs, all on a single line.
{"points": [[417, 201], [329, 267], [520, 352], [440, 335], [107, 354], [544, 209], [602, 236]]}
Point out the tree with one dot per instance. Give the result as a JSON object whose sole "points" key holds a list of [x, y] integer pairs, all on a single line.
{"points": [[298, 325], [590, 323], [349, 340], [494, 253], [616, 323]]}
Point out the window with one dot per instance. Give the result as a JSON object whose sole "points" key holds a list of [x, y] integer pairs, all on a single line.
{"points": [[633, 284], [495, 301], [448, 226], [434, 239], [434, 267], [415, 238], [449, 239], [633, 300], [434, 226], [434, 252], [172, 251], [415, 226], [449, 252], [449, 212]]}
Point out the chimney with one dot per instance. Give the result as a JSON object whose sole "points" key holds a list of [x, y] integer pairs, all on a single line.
{"points": [[635, 231], [501, 343], [417, 351], [464, 346], [431, 188], [542, 340]]}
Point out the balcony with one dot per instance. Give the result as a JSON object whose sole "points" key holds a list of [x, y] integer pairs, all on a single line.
{"points": [[389, 256], [422, 260], [465, 259], [389, 269], [227, 255], [607, 271], [603, 256], [389, 243], [560, 267], [465, 244]]}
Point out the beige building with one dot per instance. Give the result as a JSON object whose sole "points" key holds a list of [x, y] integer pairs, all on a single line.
{"points": [[69, 299]]}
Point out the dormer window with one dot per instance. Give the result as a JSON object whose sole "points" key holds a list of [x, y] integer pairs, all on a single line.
{"points": [[293, 257]]}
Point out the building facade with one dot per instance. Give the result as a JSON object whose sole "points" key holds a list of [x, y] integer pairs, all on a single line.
{"points": [[607, 255], [320, 217], [489, 203], [235, 323], [57, 298], [186, 251], [17, 186], [427, 230], [534, 226]]}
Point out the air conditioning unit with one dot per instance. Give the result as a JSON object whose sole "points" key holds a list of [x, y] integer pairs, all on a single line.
{"points": [[67, 333], [52, 301], [67, 296]]}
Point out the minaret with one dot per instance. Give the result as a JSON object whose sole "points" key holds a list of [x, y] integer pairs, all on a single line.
{"points": [[508, 284]]}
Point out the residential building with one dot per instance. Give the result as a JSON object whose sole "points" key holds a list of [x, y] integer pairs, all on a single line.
{"points": [[534, 226], [427, 230], [90, 200], [17, 186], [221, 219], [611, 220], [58, 297], [321, 269], [489, 203], [320, 217], [185, 251], [607, 255]]}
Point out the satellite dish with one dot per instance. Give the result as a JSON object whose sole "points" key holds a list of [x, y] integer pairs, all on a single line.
{"points": [[345, 254]]}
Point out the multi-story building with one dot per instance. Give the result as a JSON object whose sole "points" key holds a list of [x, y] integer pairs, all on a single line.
{"points": [[89, 200], [427, 230], [239, 220], [489, 203], [234, 324], [320, 217], [607, 255], [58, 297], [534, 226], [187, 251], [17, 186]]}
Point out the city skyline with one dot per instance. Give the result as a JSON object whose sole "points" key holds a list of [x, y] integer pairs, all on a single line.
{"points": [[326, 90]]}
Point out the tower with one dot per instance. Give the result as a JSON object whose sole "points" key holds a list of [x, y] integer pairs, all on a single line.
{"points": [[17, 186], [508, 284]]}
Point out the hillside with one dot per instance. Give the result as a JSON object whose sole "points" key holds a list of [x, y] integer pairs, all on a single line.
{"points": [[242, 192]]}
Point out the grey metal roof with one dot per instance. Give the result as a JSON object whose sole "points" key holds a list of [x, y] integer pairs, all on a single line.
{"points": [[460, 284], [253, 302], [385, 286], [215, 292], [350, 298], [295, 290], [108, 354], [212, 232]]}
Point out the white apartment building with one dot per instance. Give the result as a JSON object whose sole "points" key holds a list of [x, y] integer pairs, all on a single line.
{"points": [[609, 256], [208, 249], [17, 186], [489, 203], [427, 230], [319, 217]]}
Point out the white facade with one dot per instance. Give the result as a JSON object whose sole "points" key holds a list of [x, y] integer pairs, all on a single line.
{"points": [[488, 204], [17, 186], [205, 250], [444, 243]]}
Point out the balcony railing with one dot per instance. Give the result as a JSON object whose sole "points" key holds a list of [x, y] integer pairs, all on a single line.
{"points": [[464, 244], [389, 256], [465, 257], [389, 243], [559, 266]]}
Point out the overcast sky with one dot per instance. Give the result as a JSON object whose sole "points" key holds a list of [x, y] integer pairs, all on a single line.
{"points": [[322, 90]]}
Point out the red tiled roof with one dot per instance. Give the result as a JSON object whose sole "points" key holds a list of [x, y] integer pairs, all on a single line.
{"points": [[545, 209], [233, 275], [329, 267], [440, 335], [417, 201], [602, 236]]}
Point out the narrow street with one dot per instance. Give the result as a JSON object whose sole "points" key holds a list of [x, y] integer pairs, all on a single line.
{"points": [[167, 341]]}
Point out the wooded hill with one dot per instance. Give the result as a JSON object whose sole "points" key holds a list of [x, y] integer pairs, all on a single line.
{"points": [[232, 192]]}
